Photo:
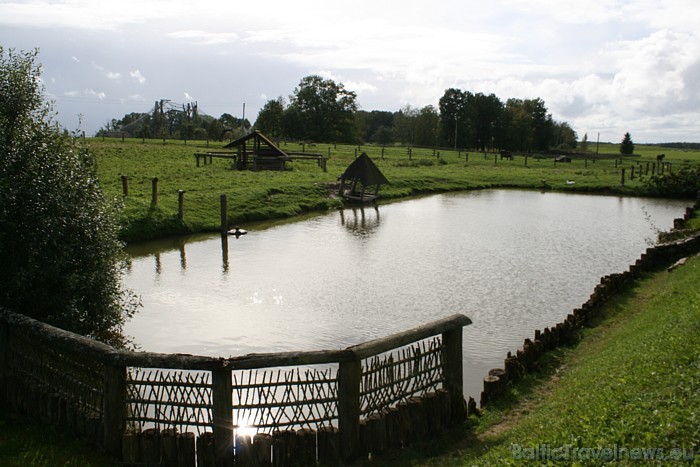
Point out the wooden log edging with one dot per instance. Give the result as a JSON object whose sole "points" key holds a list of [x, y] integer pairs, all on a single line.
{"points": [[525, 359]]}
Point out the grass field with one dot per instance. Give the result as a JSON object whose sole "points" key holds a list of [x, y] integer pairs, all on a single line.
{"points": [[305, 187]]}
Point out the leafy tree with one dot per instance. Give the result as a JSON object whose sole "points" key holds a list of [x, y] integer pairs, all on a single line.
{"points": [[58, 235], [404, 125], [584, 143], [322, 110], [271, 118], [455, 120], [627, 146], [427, 128]]}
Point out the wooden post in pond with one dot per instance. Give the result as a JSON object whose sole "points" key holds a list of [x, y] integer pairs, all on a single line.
{"points": [[349, 374], [224, 214], [125, 185], [181, 205], [113, 407], [154, 191], [222, 416]]}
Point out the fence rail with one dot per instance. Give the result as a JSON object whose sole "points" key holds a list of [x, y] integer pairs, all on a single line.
{"points": [[321, 405]]}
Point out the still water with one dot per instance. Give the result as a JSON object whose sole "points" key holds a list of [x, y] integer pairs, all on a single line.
{"points": [[513, 261]]}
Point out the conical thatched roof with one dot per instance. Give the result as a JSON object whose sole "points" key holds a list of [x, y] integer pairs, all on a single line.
{"points": [[364, 170]]}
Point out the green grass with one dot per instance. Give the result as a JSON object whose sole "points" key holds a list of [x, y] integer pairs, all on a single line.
{"points": [[254, 196], [633, 382], [30, 444]]}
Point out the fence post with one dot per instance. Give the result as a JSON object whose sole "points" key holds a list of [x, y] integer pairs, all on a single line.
{"points": [[224, 214], [4, 347], [622, 176], [222, 416], [113, 408], [154, 191], [452, 361], [181, 205], [125, 185], [349, 374]]}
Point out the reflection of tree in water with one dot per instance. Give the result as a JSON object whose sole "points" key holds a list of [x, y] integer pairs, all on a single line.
{"points": [[360, 221]]}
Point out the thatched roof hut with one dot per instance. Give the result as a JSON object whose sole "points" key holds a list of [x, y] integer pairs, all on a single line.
{"points": [[370, 179]]}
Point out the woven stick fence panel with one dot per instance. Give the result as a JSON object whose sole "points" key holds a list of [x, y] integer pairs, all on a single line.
{"points": [[76, 378], [400, 374], [279, 399], [162, 399]]}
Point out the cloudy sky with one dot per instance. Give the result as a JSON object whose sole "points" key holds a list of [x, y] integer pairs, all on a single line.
{"points": [[604, 66]]}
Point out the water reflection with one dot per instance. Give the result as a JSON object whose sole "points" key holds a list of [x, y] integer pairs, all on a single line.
{"points": [[224, 253], [362, 221]]}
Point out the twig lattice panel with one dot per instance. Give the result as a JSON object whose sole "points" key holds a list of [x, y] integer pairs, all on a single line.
{"points": [[400, 374], [76, 378], [279, 399], [169, 399]]}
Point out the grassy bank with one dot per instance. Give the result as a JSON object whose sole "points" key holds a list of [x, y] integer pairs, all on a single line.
{"points": [[305, 187], [630, 389]]}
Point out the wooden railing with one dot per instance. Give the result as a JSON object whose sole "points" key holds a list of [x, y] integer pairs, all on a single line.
{"points": [[323, 405]]}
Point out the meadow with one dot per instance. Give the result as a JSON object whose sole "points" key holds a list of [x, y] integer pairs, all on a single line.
{"points": [[305, 187]]}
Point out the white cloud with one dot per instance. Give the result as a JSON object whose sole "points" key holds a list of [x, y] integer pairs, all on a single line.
{"points": [[598, 64], [138, 76], [205, 38]]}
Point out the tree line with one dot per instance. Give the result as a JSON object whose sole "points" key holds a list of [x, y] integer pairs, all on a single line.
{"points": [[323, 110]]}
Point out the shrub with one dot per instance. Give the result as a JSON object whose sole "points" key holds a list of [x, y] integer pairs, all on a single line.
{"points": [[683, 183], [58, 235]]}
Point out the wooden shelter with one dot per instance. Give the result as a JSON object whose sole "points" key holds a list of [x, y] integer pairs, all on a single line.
{"points": [[256, 151], [370, 179]]}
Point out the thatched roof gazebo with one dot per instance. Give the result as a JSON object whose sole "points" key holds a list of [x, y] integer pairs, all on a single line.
{"points": [[370, 179]]}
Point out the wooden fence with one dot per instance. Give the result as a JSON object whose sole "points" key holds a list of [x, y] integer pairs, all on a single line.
{"points": [[258, 409]]}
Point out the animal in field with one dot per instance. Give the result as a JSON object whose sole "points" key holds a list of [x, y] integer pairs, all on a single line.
{"points": [[660, 157]]}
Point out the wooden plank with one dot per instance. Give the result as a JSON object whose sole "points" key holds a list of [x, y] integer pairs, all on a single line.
{"points": [[377, 346]]}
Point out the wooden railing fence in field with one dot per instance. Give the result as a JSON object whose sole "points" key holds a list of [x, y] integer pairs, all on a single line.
{"points": [[283, 408]]}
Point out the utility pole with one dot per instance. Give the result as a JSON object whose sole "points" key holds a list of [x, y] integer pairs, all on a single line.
{"points": [[597, 144], [455, 132]]}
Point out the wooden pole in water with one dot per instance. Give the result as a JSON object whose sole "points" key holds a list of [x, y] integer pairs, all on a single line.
{"points": [[181, 205], [224, 214]]}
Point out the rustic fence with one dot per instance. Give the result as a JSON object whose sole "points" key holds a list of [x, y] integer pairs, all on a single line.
{"points": [[258, 409]]}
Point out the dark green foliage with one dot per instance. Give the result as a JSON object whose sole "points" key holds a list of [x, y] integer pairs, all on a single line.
{"points": [[627, 146], [58, 237], [683, 183]]}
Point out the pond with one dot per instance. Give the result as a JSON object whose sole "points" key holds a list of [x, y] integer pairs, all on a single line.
{"points": [[513, 261]]}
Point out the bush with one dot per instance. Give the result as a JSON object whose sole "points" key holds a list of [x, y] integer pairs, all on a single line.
{"points": [[58, 235], [683, 183]]}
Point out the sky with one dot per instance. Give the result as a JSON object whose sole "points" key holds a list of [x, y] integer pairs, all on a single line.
{"points": [[606, 67]]}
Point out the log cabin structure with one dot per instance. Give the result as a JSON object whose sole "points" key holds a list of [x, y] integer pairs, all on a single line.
{"points": [[370, 179]]}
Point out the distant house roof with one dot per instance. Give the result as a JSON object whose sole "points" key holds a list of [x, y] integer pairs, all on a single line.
{"points": [[364, 170]]}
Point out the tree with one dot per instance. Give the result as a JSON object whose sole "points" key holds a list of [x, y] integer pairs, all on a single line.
{"points": [[58, 236], [584, 143], [627, 146], [271, 118], [322, 110]]}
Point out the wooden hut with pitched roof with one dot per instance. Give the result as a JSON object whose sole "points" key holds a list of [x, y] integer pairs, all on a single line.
{"points": [[256, 151], [363, 179]]}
